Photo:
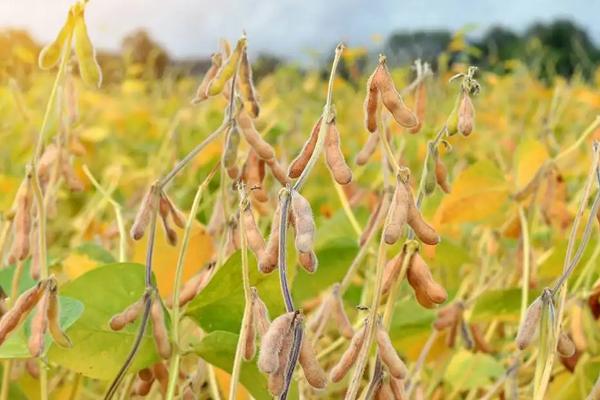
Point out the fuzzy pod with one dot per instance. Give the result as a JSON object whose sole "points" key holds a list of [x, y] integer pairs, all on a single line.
{"points": [[127, 316], [21, 308], [267, 262], [441, 175], [170, 232], [349, 357], [300, 162], [216, 61], [145, 374], [23, 222], [308, 261], [34, 265], [397, 386], [371, 102], [53, 312], [422, 229], [313, 372], [161, 373], [272, 342], [335, 158], [565, 346], [46, 163], [230, 151], [276, 380], [261, 313], [447, 316], [277, 171], [384, 392], [321, 315], [217, 218], [392, 100], [32, 366], [391, 272], [194, 285], [430, 166], [51, 53], [253, 174], [420, 278], [362, 157], [233, 235], [249, 339], [259, 145], [159, 330], [89, 70], [479, 340], [420, 106], [381, 209], [39, 325], [70, 176], [168, 207], [342, 322], [397, 214], [217, 84], [188, 394], [304, 222], [142, 387], [466, 116], [530, 323], [144, 215], [388, 353], [253, 235], [247, 86]]}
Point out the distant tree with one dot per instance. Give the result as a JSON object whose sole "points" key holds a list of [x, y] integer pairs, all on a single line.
{"points": [[139, 48], [405, 47]]}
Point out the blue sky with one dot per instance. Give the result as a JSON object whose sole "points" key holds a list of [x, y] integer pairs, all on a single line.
{"points": [[288, 28]]}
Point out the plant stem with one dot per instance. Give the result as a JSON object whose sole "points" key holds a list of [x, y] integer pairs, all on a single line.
{"points": [[176, 311], [526, 263], [347, 209], [416, 370]]}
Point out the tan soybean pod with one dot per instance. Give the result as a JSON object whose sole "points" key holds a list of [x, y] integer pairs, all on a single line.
{"points": [[216, 61], [277, 171], [51, 53], [321, 316], [194, 285], [441, 175], [349, 357], [19, 311], [381, 209], [398, 214], [392, 100], [253, 137], [169, 230], [249, 340], [144, 215], [227, 70], [175, 213], [565, 346], [371, 101], [22, 222], [388, 353], [314, 374], [58, 335], [162, 376], [466, 115], [422, 229], [304, 223], [159, 329], [276, 379], [367, 150], [127, 316], [247, 86], [530, 323], [39, 325], [89, 70], [420, 278], [70, 176], [342, 322], [391, 272], [397, 386], [253, 235], [261, 314], [384, 392], [308, 261], [230, 150], [267, 261], [272, 341], [253, 174], [334, 156], [142, 387], [300, 162], [447, 316], [420, 105]]}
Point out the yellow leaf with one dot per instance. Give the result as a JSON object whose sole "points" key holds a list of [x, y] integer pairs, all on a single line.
{"points": [[529, 157], [478, 192], [8, 188], [199, 253], [77, 264], [224, 379]]}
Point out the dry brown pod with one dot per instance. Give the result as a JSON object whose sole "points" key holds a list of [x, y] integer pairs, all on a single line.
{"points": [[261, 314], [466, 115], [391, 272], [216, 61], [427, 290], [70, 176], [259, 145], [342, 322], [217, 218], [300, 162], [481, 344], [441, 175], [422, 229], [253, 174], [397, 214], [21, 308], [142, 387], [246, 85], [161, 373], [39, 325], [381, 210], [349, 357], [32, 366], [384, 392], [164, 213], [565, 346], [159, 329], [145, 213], [530, 323], [304, 223], [175, 213], [194, 285], [22, 222], [314, 374], [267, 262], [371, 102], [388, 353], [390, 97], [277, 171], [276, 379], [249, 340], [34, 265], [53, 312], [272, 341], [362, 157], [127, 316], [420, 105], [308, 261], [448, 316], [253, 236], [335, 158], [397, 386]]}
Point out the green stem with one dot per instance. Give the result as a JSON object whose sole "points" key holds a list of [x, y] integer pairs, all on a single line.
{"points": [[526, 263]]}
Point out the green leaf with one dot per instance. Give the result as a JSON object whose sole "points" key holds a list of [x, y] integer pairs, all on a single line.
{"points": [[503, 305], [220, 306], [472, 370], [218, 348], [96, 252], [98, 352], [6, 277]]}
